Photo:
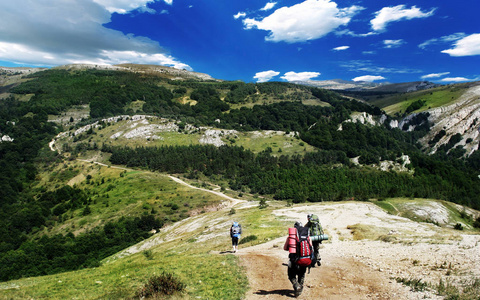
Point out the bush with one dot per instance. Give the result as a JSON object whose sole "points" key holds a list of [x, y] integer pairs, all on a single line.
{"points": [[476, 224], [263, 204], [165, 284], [458, 226]]}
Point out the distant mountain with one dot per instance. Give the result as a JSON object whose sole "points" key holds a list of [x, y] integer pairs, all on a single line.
{"points": [[339, 84], [405, 87], [345, 85], [162, 71]]}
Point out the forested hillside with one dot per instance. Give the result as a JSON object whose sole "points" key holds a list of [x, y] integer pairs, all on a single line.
{"points": [[328, 174]]}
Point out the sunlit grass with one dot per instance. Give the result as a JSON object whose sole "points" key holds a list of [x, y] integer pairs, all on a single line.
{"points": [[195, 251], [434, 98]]}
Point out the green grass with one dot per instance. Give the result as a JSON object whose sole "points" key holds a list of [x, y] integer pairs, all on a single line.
{"points": [[206, 275], [436, 97], [385, 205], [195, 255], [256, 141], [116, 192]]}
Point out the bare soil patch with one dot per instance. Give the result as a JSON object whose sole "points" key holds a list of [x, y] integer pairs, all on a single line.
{"points": [[365, 269]]}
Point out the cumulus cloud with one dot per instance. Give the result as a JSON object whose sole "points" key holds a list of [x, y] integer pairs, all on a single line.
{"points": [[265, 75], [434, 75], [467, 46], [240, 14], [455, 79], [393, 43], [396, 13], [341, 48], [368, 78], [66, 32], [309, 20], [269, 6], [302, 76]]}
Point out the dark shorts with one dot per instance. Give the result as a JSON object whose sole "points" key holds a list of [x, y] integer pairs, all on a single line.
{"points": [[234, 241]]}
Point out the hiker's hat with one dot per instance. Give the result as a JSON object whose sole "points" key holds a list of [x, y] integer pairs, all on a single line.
{"points": [[309, 216]]}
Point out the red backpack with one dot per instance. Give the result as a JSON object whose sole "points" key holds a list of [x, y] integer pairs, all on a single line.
{"points": [[304, 249]]}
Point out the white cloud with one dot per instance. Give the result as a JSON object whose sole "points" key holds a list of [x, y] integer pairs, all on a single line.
{"points": [[71, 31], [302, 76], [240, 14], [309, 20], [393, 43], [434, 75], [368, 78], [265, 75], [467, 46], [443, 39], [341, 48], [455, 79], [123, 6], [368, 66], [269, 6], [396, 13]]}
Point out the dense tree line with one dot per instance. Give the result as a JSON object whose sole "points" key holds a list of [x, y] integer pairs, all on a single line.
{"points": [[61, 253], [240, 92], [106, 92], [321, 176]]}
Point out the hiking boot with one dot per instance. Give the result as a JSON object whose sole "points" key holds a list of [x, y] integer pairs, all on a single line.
{"points": [[298, 288], [318, 262]]}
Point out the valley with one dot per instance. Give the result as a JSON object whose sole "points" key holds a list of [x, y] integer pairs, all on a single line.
{"points": [[114, 175]]}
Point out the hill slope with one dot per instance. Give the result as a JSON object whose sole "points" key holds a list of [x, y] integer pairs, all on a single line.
{"points": [[65, 200], [369, 253]]}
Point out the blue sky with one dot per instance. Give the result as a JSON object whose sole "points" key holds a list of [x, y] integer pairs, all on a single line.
{"points": [[252, 40]]}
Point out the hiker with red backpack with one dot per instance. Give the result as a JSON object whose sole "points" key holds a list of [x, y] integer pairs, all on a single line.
{"points": [[300, 250]]}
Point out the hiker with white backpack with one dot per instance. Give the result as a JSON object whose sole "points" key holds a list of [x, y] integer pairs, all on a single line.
{"points": [[235, 232], [300, 250]]}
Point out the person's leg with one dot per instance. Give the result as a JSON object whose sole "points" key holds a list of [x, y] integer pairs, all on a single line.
{"points": [[301, 279], [316, 247], [235, 243], [293, 272]]}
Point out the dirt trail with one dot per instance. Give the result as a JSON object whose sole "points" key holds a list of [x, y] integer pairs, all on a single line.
{"points": [[337, 278], [364, 269]]}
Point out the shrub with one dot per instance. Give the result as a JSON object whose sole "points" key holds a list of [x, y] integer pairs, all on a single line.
{"points": [[476, 224], [458, 226], [148, 254], [164, 284], [263, 203], [416, 285]]}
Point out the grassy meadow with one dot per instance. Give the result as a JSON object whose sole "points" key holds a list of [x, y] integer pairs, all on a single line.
{"points": [[195, 250], [436, 97], [113, 134]]}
